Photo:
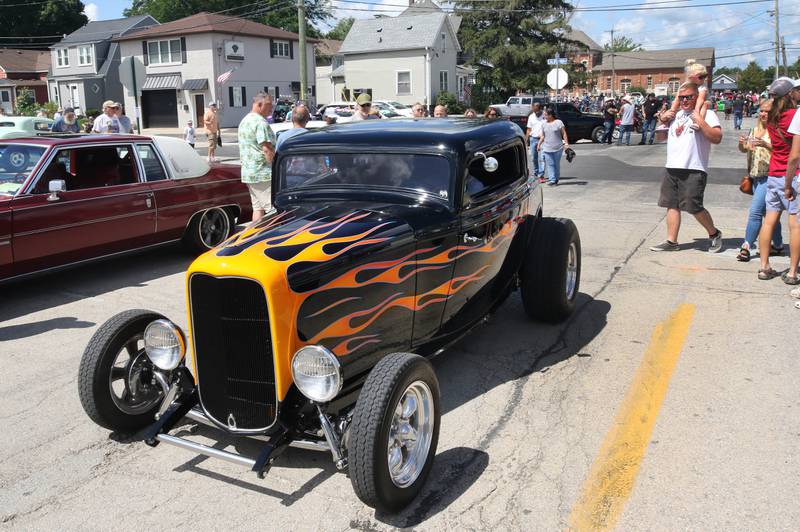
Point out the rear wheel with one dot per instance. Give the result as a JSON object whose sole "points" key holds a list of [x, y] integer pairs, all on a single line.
{"points": [[551, 273], [116, 384], [597, 134], [209, 229], [394, 432]]}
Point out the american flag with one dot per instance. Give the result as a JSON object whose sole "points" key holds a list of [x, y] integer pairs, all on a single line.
{"points": [[222, 78]]}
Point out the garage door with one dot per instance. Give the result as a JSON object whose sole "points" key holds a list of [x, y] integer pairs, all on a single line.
{"points": [[160, 108]]}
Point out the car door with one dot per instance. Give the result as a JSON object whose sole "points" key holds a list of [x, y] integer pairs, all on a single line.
{"points": [[104, 210], [488, 223], [6, 256]]}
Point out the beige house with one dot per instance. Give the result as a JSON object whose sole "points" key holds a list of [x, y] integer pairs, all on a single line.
{"points": [[409, 58], [329, 71], [190, 62]]}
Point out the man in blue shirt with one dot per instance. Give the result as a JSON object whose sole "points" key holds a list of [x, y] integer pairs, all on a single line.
{"points": [[300, 118]]}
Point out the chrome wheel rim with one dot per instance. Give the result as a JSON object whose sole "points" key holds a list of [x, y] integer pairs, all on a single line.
{"points": [[572, 270], [410, 434], [214, 227], [130, 381]]}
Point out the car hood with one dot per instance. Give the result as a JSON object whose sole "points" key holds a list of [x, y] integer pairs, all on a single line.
{"points": [[319, 266]]}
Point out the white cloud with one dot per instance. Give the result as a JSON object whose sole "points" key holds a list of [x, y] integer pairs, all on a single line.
{"points": [[92, 11]]}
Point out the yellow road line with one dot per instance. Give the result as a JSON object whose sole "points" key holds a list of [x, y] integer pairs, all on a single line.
{"points": [[614, 470]]}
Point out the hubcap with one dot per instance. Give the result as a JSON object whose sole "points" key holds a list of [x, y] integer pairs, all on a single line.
{"points": [[17, 159], [410, 434], [214, 227], [572, 271], [130, 381]]}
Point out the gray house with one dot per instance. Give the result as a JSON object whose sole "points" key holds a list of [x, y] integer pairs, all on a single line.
{"points": [[85, 64]]}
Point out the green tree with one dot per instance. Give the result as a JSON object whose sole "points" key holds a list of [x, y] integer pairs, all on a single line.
{"points": [[26, 103], [449, 100], [623, 44], [270, 12], [340, 30], [732, 72], [794, 69], [512, 39], [752, 78], [49, 17]]}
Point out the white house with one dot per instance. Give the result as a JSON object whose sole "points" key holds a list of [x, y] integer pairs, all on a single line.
{"points": [[185, 59], [410, 58]]}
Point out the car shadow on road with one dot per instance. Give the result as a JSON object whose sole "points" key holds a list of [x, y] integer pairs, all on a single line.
{"points": [[17, 332], [90, 280]]}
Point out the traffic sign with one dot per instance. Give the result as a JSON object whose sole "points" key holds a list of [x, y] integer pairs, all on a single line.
{"points": [[557, 61], [557, 79]]}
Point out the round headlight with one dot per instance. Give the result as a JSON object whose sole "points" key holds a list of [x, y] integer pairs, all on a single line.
{"points": [[164, 344], [316, 372]]}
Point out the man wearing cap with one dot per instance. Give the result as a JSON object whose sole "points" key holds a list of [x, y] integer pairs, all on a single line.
{"points": [[650, 108], [685, 175], [108, 121], [256, 151], [609, 116], [211, 123], [626, 121], [67, 123], [363, 105]]}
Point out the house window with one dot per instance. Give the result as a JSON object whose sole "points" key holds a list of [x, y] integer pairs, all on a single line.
{"points": [[444, 43], [85, 55], [673, 84], [404, 82], [625, 85], [649, 82], [62, 57], [280, 49], [237, 97], [164, 52], [443, 81]]}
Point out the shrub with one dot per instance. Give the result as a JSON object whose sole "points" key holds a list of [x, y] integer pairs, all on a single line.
{"points": [[26, 103], [50, 108], [449, 100]]}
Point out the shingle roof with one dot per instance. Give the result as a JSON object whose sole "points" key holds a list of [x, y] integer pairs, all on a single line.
{"points": [[209, 22], [101, 30], [393, 33], [328, 47], [655, 59], [583, 38], [12, 60]]}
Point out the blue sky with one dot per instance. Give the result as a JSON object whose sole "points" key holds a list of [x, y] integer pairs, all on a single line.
{"points": [[734, 29]]}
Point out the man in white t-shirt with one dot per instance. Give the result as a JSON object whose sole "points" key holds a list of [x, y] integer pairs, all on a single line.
{"points": [[533, 130], [685, 176], [108, 121], [626, 121]]}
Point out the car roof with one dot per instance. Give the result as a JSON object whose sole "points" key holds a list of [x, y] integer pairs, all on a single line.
{"points": [[460, 135], [18, 119], [75, 139]]}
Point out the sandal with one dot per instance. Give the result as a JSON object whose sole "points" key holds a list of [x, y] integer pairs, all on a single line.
{"points": [[744, 255], [788, 279], [766, 275], [775, 251]]}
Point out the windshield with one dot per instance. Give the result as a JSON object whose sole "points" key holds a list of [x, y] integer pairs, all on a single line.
{"points": [[398, 105], [17, 161], [428, 173]]}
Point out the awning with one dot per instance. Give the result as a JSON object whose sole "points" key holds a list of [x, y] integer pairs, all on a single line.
{"points": [[162, 82], [195, 85]]}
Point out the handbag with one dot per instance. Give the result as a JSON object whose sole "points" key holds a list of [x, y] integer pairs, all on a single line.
{"points": [[219, 138], [746, 186]]}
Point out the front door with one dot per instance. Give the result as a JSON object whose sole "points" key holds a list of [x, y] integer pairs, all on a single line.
{"points": [[5, 101], [74, 96], [105, 209], [199, 109]]}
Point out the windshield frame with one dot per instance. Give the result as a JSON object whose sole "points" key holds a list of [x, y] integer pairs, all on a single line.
{"points": [[452, 163], [37, 167]]}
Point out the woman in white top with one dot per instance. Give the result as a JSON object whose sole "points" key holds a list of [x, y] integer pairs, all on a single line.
{"points": [[552, 143]]}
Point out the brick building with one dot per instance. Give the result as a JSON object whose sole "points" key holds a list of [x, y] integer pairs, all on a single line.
{"points": [[655, 71], [22, 69]]}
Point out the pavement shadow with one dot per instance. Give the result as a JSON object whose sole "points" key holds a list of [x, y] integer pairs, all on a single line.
{"points": [[91, 280], [25, 330]]}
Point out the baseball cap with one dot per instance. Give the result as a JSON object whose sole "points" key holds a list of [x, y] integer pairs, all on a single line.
{"points": [[68, 110], [109, 103], [364, 98], [781, 87]]}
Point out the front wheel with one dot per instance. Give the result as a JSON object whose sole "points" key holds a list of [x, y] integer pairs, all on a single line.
{"points": [[116, 384], [598, 133], [394, 432], [551, 273], [209, 229]]}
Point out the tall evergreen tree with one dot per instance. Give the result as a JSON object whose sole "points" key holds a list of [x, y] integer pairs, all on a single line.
{"points": [[51, 17], [511, 40]]}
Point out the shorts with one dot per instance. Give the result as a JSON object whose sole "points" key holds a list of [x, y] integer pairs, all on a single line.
{"points": [[776, 199], [212, 138], [261, 195], [683, 189]]}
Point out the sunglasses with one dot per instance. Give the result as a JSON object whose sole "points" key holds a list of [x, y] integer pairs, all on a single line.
{"points": [[691, 97], [366, 105]]}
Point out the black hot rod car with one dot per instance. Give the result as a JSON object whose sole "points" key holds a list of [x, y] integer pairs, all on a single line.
{"points": [[311, 328]]}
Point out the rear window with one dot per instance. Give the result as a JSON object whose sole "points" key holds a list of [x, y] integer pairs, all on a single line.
{"points": [[17, 161], [425, 173]]}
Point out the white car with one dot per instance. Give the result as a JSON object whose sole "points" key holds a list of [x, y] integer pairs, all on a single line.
{"points": [[342, 110], [393, 106], [12, 127]]}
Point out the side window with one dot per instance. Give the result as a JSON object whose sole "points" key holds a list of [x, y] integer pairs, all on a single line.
{"points": [[153, 170], [479, 180], [82, 168], [526, 101], [513, 101], [41, 126]]}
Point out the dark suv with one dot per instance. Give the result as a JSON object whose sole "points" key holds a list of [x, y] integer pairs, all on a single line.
{"points": [[579, 125]]}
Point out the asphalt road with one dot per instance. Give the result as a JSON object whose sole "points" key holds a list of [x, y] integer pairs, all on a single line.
{"points": [[667, 402]]}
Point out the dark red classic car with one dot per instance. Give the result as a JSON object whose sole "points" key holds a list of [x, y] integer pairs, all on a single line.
{"points": [[68, 199]]}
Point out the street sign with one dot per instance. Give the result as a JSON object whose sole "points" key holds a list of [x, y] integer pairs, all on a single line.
{"points": [[557, 61], [557, 79]]}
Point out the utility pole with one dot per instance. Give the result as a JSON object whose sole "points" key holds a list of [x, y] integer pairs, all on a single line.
{"points": [[301, 24], [613, 71], [783, 53], [777, 38]]}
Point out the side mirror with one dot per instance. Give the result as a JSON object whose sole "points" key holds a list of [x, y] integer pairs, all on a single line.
{"points": [[490, 164], [55, 186]]}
